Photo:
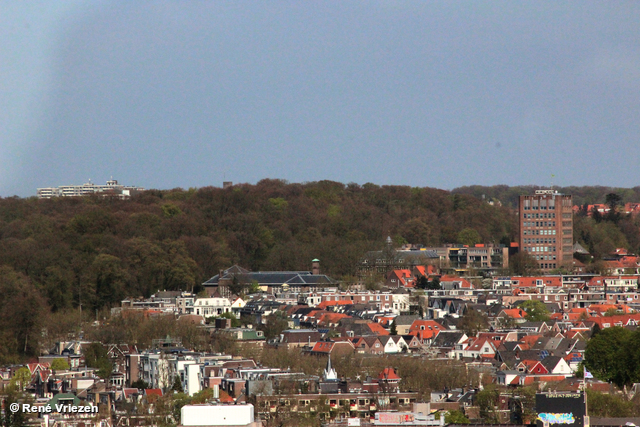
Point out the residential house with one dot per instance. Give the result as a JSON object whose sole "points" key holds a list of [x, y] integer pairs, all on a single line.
{"points": [[400, 279], [326, 348]]}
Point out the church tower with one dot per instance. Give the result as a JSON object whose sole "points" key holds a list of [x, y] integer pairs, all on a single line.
{"points": [[330, 373]]}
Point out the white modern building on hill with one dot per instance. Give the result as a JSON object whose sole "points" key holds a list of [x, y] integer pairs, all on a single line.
{"points": [[112, 188]]}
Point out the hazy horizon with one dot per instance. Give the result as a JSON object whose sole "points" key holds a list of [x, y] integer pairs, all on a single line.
{"points": [[436, 94]]}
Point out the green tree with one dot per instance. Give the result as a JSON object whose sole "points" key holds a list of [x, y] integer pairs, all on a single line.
{"points": [[96, 357], [455, 417], [60, 364], [609, 357], [523, 410], [422, 282], [276, 323], [523, 264], [110, 279], [609, 405], [434, 284], [393, 330], [536, 311], [57, 287], [21, 379], [170, 210], [279, 203], [177, 384], [140, 384], [612, 312], [487, 401], [613, 201], [18, 418], [235, 322], [22, 314], [469, 236], [473, 322], [254, 288]]}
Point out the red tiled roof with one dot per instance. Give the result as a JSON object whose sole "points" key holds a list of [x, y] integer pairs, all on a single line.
{"points": [[224, 397], [324, 304], [332, 318], [515, 313], [323, 347], [377, 329], [530, 379], [425, 329], [388, 374], [622, 319], [530, 339]]}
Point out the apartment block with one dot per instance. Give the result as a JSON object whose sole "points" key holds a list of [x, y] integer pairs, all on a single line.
{"points": [[546, 228], [111, 189]]}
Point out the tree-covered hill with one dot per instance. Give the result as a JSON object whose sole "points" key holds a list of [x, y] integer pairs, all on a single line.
{"points": [[96, 250], [58, 254], [589, 195]]}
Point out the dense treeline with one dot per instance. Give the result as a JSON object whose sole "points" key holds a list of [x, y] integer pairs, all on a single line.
{"points": [[61, 254], [95, 251], [589, 195]]}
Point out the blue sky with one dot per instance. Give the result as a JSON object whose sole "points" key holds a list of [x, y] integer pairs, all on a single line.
{"points": [[439, 94]]}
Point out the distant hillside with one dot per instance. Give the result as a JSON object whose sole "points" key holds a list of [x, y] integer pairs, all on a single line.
{"points": [[59, 253], [508, 196], [101, 250]]}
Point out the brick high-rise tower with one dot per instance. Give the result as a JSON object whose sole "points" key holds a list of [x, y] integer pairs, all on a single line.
{"points": [[546, 228]]}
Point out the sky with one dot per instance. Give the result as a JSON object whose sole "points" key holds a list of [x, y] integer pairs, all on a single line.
{"points": [[167, 94]]}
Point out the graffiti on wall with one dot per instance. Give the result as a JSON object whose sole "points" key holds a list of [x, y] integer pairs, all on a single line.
{"points": [[551, 418]]}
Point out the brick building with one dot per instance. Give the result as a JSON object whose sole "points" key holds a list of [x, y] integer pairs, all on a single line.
{"points": [[546, 228]]}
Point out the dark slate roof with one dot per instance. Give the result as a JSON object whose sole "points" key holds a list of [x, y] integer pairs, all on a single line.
{"points": [[274, 278], [580, 345], [530, 355], [509, 358], [359, 329], [509, 346], [447, 339], [410, 255], [405, 319], [449, 322], [550, 362]]}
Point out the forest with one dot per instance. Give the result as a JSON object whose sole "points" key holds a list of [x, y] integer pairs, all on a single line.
{"points": [[58, 255], [588, 195]]}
